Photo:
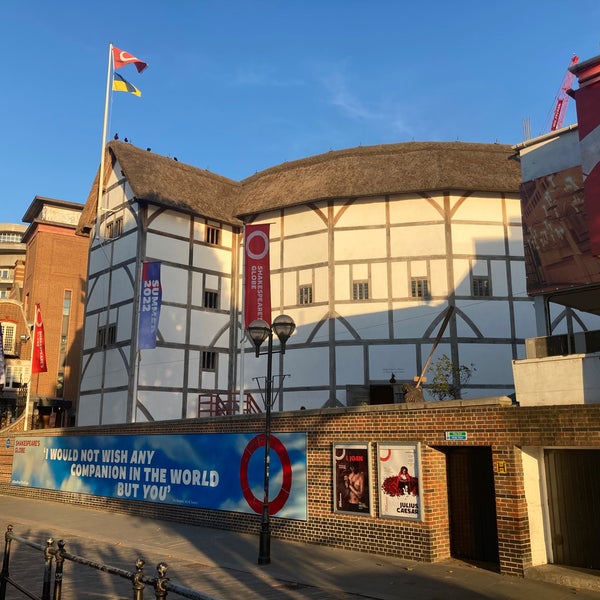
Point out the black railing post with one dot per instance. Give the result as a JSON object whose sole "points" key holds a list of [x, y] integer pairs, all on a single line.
{"points": [[137, 579], [5, 561], [58, 569], [48, 555], [160, 586]]}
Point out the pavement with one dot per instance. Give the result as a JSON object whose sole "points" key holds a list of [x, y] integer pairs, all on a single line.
{"points": [[222, 565]]}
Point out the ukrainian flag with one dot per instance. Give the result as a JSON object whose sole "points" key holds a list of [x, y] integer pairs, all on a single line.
{"points": [[120, 85]]}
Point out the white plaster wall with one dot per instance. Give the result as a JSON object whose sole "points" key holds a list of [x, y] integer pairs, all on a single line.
{"points": [[477, 239], [116, 368], [161, 405], [439, 278], [360, 244], [400, 279], [491, 317], [404, 209], [350, 365], [174, 282], [524, 316], [161, 367], [88, 410], [371, 322], [307, 249], [169, 222], [114, 408], [417, 241], [121, 287], [493, 364], [299, 221], [172, 324], [479, 207], [364, 213], [167, 249], [398, 359]]}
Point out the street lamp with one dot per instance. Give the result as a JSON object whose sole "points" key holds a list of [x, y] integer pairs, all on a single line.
{"points": [[259, 331]]}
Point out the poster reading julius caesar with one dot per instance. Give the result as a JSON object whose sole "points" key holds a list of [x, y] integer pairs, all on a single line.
{"points": [[398, 468], [351, 481]]}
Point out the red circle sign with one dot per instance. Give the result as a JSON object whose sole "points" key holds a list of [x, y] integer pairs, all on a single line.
{"points": [[279, 502]]}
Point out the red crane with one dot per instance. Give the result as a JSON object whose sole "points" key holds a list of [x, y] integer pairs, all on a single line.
{"points": [[562, 98]]}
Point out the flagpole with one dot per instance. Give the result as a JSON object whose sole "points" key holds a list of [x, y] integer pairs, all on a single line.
{"points": [[100, 202]]}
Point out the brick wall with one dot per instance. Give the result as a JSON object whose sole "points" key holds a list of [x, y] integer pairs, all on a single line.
{"points": [[488, 422]]}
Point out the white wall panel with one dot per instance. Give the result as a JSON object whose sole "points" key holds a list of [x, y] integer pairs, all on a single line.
{"points": [[88, 410], [479, 208], [167, 249], [162, 367], [477, 239], [360, 244], [114, 408], [417, 241], [363, 214], [161, 405], [305, 250], [174, 282], [350, 365], [414, 210], [387, 359]]}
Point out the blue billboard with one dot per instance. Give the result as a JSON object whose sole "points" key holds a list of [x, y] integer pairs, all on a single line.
{"points": [[221, 471]]}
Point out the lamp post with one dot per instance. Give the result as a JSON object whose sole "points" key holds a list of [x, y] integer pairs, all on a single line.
{"points": [[259, 331]]}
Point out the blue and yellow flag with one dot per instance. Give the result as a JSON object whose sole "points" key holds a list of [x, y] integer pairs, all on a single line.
{"points": [[121, 85]]}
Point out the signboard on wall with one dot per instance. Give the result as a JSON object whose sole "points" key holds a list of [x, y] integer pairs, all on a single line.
{"points": [[214, 471], [351, 478], [399, 473]]}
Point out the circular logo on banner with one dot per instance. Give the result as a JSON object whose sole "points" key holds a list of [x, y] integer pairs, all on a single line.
{"points": [[257, 240], [286, 485]]}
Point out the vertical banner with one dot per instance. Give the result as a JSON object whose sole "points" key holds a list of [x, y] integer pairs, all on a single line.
{"points": [[398, 467], [150, 301], [351, 478], [257, 276], [2, 361], [38, 360]]}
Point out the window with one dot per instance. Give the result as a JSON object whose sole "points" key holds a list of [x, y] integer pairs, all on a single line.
{"points": [[109, 230], [64, 335], [481, 286], [118, 227], [360, 290], [213, 235], [305, 294], [419, 287], [10, 238], [209, 361], [8, 337], [4, 274], [211, 299], [107, 336]]}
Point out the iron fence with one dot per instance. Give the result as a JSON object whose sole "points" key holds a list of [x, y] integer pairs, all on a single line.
{"points": [[53, 557]]}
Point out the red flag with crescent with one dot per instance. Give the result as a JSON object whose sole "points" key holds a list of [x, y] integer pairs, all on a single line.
{"points": [[38, 361], [257, 300], [122, 58]]}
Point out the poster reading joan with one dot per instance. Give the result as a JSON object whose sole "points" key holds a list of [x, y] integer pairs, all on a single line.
{"points": [[351, 478], [398, 468]]}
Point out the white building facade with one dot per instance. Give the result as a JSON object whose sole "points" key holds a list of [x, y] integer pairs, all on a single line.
{"points": [[369, 248]]}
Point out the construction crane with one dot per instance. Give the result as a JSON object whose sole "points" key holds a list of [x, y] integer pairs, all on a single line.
{"points": [[562, 98]]}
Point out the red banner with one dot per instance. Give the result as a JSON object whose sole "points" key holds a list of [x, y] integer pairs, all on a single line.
{"points": [[257, 276], [38, 361]]}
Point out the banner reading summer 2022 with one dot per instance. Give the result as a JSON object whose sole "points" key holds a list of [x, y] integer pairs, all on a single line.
{"points": [[216, 471]]}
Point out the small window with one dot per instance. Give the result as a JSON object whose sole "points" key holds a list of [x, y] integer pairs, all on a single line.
{"points": [[118, 230], [209, 361], [360, 290], [107, 336], [213, 235], [9, 337], [111, 336], [109, 230], [481, 286], [305, 294], [419, 287], [211, 299]]}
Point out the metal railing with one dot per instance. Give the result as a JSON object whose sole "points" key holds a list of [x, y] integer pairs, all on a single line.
{"points": [[218, 405], [55, 552]]}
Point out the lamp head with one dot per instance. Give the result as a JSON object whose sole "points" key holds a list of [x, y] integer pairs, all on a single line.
{"points": [[283, 326], [258, 331]]}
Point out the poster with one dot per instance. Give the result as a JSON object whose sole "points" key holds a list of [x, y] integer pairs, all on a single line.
{"points": [[399, 474], [257, 277], [220, 471], [351, 478]]}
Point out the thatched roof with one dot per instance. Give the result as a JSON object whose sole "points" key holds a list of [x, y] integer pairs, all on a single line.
{"points": [[384, 169], [167, 182], [364, 171]]}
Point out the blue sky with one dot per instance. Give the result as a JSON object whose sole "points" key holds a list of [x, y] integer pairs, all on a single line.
{"points": [[237, 87]]}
